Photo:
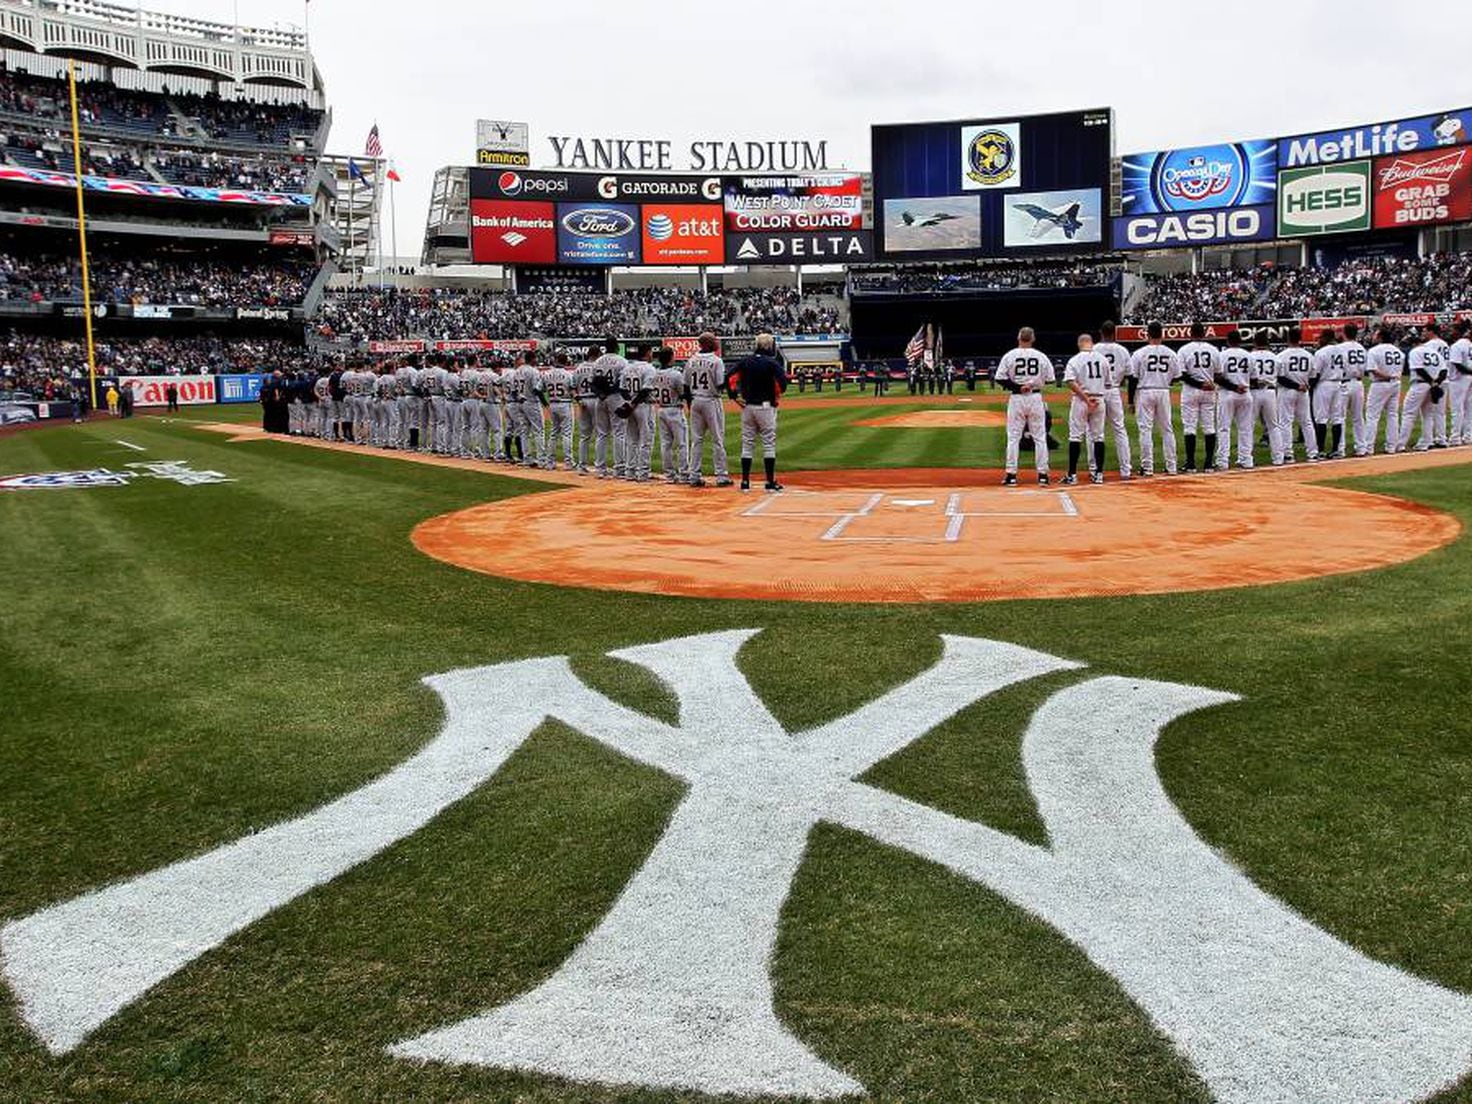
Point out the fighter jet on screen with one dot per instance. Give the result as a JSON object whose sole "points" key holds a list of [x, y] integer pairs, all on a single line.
{"points": [[926, 220], [1065, 219]]}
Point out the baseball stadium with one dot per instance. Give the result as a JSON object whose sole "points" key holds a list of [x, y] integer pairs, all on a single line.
{"points": [[941, 608]]}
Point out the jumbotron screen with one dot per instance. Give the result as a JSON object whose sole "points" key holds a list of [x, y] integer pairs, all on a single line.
{"points": [[1015, 186]]}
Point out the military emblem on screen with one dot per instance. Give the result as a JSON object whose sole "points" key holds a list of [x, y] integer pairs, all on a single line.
{"points": [[992, 157]]}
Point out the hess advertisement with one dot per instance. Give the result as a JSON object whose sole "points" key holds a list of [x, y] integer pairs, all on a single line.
{"points": [[1419, 189], [1328, 199], [952, 188]]}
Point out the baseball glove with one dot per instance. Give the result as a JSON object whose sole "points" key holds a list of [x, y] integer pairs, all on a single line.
{"points": [[1436, 394], [624, 411]]}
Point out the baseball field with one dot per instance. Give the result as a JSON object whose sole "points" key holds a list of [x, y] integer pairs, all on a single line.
{"points": [[900, 786]]}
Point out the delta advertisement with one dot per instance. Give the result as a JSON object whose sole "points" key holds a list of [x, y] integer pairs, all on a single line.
{"points": [[992, 187]]}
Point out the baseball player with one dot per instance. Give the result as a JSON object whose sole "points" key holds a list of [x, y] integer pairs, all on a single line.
{"points": [[1025, 371], [610, 444], [1118, 359], [1087, 376], [1234, 405], [1428, 375], [757, 385], [1440, 411], [1356, 359], [472, 412], [406, 379], [326, 408], [435, 381], [669, 393], [531, 427], [1459, 385], [1295, 382], [558, 389], [363, 385], [1200, 365], [490, 393], [585, 406], [637, 414], [348, 409], [1387, 364], [1263, 381], [1328, 401], [1153, 369], [385, 408], [705, 378]]}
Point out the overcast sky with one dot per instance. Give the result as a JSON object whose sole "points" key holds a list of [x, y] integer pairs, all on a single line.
{"points": [[1175, 74]]}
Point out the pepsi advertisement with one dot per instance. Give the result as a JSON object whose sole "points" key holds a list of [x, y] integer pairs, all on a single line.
{"points": [[952, 190], [598, 234]]}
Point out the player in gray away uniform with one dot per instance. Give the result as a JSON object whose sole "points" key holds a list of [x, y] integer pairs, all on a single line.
{"points": [[347, 411], [406, 379], [610, 446], [472, 413], [669, 393], [456, 397], [322, 388], [557, 388], [385, 408], [705, 381], [638, 393], [1295, 381], [435, 381], [585, 405], [495, 412], [532, 428], [364, 382]]}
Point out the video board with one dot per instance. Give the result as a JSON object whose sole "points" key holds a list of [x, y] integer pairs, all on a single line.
{"points": [[1198, 195], [990, 188]]}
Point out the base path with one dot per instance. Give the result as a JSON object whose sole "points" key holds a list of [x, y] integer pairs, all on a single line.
{"points": [[953, 536]]}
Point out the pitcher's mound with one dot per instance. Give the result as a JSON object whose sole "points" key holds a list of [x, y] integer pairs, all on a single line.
{"points": [[939, 419]]}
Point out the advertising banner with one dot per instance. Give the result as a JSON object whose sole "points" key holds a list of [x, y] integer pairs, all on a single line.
{"points": [[1446, 128], [682, 234], [1041, 219], [512, 232], [831, 201], [243, 388], [598, 234], [823, 247], [491, 345], [1313, 328], [1177, 333], [1330, 199], [498, 142], [1224, 226], [684, 347], [589, 187], [1417, 189], [151, 390], [579, 281], [1199, 178], [150, 189], [396, 348]]}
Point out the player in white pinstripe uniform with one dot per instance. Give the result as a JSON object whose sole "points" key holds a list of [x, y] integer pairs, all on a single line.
{"points": [[1387, 365], [1295, 409], [1118, 358], [1152, 371]]}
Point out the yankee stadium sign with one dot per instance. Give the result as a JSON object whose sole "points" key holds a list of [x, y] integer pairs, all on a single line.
{"points": [[701, 155]]}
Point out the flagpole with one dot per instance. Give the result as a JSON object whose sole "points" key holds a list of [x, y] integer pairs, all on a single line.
{"points": [[71, 71], [393, 211]]}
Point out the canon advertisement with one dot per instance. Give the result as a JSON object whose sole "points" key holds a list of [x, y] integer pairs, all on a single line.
{"points": [[988, 188]]}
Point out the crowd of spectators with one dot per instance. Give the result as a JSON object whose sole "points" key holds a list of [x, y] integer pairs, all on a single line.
{"points": [[126, 276], [1365, 286], [30, 362], [216, 170], [948, 278], [444, 314]]}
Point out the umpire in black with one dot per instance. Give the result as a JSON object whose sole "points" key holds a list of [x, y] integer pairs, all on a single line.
{"points": [[756, 385]]}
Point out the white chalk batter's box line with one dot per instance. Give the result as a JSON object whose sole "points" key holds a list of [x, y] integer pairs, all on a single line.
{"points": [[1062, 506]]}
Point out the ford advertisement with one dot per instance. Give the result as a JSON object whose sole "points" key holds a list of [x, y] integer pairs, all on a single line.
{"points": [[598, 233]]}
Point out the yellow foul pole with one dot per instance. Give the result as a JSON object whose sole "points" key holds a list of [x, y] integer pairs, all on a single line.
{"points": [[71, 69]]}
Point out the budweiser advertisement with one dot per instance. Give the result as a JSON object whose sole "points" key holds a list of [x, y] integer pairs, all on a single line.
{"points": [[504, 231], [1425, 187]]}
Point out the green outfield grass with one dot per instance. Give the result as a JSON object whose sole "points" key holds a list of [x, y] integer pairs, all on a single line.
{"points": [[182, 665]]}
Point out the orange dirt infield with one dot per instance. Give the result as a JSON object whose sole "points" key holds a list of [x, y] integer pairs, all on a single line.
{"points": [[933, 535], [938, 419], [883, 537]]}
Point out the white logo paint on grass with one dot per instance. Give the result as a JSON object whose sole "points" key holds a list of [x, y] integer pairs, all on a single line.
{"points": [[672, 990], [172, 471]]}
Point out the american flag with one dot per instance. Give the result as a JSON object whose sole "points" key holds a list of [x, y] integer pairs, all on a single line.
{"points": [[916, 348], [374, 147]]}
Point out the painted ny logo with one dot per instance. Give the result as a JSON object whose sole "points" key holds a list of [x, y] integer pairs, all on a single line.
{"points": [[672, 990]]}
